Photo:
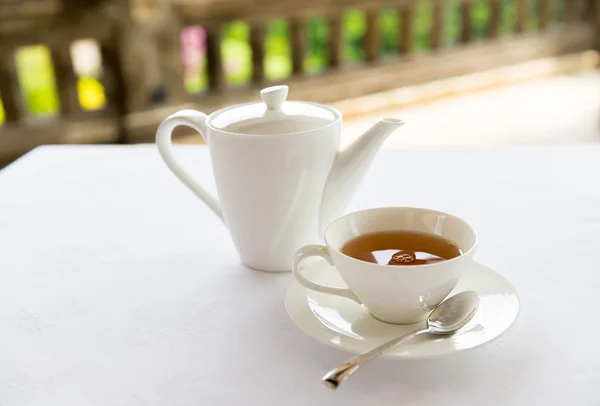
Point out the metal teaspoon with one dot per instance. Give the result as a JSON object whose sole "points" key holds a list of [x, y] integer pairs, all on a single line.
{"points": [[448, 317]]}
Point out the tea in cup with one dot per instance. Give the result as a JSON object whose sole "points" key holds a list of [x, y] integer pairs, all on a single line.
{"points": [[400, 262]]}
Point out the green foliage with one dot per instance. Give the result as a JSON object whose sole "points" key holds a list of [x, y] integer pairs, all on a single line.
{"points": [[556, 11], [317, 52], [452, 22], [278, 53], [480, 18], [389, 27], [36, 77], [533, 9], [38, 84], [423, 23], [36, 73], [354, 28], [236, 52], [196, 83], [508, 17], [237, 30]]}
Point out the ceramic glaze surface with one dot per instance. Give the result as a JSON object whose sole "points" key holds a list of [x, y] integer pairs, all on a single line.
{"points": [[270, 190], [394, 294], [344, 324], [279, 175]]}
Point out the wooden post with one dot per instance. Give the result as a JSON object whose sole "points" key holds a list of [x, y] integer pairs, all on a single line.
{"points": [[10, 91], [438, 24], [466, 32], [595, 11], [150, 53], [114, 83], [154, 30], [66, 80], [136, 53], [168, 44], [521, 17], [407, 29], [119, 61], [372, 36], [572, 10], [216, 78], [596, 22], [335, 41], [257, 44], [544, 14], [495, 18], [298, 39]]}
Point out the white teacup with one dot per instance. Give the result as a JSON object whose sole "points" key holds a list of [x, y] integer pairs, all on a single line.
{"points": [[393, 294]]}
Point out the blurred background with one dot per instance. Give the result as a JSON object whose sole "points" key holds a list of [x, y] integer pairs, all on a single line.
{"points": [[460, 72]]}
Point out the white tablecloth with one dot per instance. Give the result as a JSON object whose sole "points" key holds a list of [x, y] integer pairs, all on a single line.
{"points": [[118, 287]]}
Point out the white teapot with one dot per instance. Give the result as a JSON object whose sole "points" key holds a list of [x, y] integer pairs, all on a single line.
{"points": [[280, 177]]}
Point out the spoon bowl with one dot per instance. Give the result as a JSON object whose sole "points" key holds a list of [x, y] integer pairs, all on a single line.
{"points": [[453, 313]]}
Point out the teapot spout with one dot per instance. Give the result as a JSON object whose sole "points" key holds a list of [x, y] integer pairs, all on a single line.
{"points": [[349, 169]]}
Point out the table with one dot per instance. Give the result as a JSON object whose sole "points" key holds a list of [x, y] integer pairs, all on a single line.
{"points": [[118, 287]]}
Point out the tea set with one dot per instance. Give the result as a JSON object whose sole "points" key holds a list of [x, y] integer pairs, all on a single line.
{"points": [[283, 186]]}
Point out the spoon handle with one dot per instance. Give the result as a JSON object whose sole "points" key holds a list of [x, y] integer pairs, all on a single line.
{"points": [[336, 376]]}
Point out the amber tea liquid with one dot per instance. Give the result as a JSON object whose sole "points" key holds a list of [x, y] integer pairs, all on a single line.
{"points": [[403, 248]]}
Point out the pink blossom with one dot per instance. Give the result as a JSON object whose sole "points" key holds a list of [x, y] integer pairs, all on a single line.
{"points": [[193, 49]]}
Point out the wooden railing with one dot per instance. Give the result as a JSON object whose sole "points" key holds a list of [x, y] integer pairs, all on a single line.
{"points": [[572, 31], [34, 22], [143, 73]]}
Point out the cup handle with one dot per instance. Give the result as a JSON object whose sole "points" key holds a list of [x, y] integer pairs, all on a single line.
{"points": [[323, 252], [195, 120]]}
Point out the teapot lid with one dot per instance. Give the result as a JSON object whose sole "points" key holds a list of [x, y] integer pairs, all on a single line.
{"points": [[274, 115]]}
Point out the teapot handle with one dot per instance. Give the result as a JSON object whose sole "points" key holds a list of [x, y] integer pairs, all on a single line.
{"points": [[195, 120]]}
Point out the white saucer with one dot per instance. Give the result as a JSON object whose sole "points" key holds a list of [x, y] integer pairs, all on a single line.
{"points": [[343, 324]]}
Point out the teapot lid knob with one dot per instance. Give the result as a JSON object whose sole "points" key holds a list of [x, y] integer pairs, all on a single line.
{"points": [[274, 96]]}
